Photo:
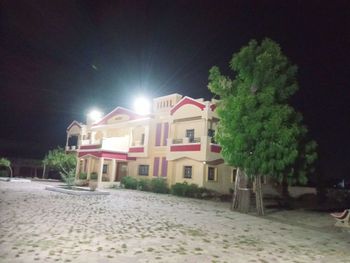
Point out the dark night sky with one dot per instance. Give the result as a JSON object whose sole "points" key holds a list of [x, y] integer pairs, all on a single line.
{"points": [[50, 50]]}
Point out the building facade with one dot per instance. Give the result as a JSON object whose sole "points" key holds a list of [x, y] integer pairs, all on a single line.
{"points": [[175, 142]]}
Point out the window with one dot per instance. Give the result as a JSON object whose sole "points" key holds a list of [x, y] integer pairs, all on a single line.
{"points": [[142, 139], [211, 174], [190, 135], [211, 133], [105, 169], [143, 170], [188, 172]]}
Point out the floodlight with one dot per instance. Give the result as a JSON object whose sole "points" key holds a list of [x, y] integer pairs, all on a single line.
{"points": [[142, 106]]}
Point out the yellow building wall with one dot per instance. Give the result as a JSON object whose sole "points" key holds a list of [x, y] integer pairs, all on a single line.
{"points": [[197, 171], [187, 111], [223, 181], [181, 127]]}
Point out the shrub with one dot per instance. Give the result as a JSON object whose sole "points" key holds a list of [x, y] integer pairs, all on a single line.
{"points": [[192, 190], [129, 182], [185, 189], [159, 185], [82, 176], [93, 176], [178, 189], [144, 185]]}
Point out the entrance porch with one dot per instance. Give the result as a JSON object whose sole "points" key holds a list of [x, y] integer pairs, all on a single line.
{"points": [[106, 172]]}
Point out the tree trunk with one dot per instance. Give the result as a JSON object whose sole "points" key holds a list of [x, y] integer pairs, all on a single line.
{"points": [[235, 194], [241, 194], [284, 189], [259, 196], [11, 173]]}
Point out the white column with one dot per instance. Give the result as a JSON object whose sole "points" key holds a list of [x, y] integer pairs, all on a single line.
{"points": [[100, 171], [67, 139], [113, 171], [88, 166], [77, 169]]}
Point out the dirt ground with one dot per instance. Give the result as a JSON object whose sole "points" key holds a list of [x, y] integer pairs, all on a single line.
{"points": [[37, 225]]}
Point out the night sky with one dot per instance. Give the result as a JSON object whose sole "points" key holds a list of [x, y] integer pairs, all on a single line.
{"points": [[61, 58]]}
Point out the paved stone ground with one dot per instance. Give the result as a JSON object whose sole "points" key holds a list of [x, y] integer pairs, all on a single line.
{"points": [[37, 225]]}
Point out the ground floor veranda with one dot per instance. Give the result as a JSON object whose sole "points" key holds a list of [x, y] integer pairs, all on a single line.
{"points": [[108, 171]]}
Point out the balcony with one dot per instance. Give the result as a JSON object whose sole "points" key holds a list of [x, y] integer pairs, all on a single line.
{"points": [[186, 140], [115, 144], [199, 148], [71, 148]]}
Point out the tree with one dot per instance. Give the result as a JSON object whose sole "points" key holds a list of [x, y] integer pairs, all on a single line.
{"points": [[6, 163], [259, 132], [62, 162]]}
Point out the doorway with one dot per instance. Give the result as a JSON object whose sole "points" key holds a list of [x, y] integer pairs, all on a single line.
{"points": [[122, 170]]}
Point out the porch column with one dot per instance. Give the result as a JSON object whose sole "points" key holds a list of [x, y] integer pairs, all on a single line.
{"points": [[68, 135], [113, 171], [88, 165], [77, 169], [100, 171]]}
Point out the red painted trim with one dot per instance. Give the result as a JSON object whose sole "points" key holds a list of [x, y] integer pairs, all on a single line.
{"points": [[112, 155], [185, 148], [73, 124], [90, 146], [212, 107], [186, 101], [136, 149], [119, 111], [120, 156], [215, 148]]}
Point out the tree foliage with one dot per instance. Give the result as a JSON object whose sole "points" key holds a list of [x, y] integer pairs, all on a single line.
{"points": [[6, 163], [62, 162], [258, 130]]}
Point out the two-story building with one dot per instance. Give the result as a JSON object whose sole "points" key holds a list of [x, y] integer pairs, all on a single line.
{"points": [[175, 141]]}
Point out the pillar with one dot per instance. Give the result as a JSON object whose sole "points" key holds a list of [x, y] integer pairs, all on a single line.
{"points": [[77, 169], [88, 160], [100, 171], [113, 171]]}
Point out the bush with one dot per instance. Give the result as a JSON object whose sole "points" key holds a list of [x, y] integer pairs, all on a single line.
{"points": [[178, 189], [129, 182], [192, 190], [68, 177], [93, 176], [82, 176], [184, 189], [159, 185], [144, 185]]}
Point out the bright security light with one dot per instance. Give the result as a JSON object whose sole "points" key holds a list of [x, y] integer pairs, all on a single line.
{"points": [[95, 115], [142, 106]]}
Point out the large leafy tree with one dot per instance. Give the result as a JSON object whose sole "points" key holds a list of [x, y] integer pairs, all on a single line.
{"points": [[6, 163], [260, 133], [64, 163]]}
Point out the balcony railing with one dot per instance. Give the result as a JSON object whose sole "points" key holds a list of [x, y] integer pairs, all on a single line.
{"points": [[71, 147], [186, 140]]}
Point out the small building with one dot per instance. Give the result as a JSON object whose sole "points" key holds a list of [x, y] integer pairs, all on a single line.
{"points": [[175, 141], [24, 167]]}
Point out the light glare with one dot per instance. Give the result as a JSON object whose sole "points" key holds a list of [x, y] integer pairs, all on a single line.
{"points": [[95, 115], [142, 106]]}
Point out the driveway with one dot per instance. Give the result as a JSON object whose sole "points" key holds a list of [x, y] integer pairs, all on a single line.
{"points": [[37, 225]]}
